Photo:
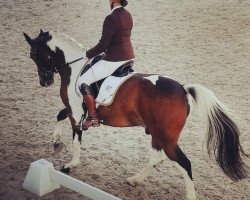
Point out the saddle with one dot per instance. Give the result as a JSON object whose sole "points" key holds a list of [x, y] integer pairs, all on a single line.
{"points": [[122, 71]]}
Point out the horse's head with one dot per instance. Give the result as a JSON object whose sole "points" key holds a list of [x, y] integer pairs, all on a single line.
{"points": [[41, 54]]}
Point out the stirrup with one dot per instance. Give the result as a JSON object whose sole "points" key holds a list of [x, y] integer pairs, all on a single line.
{"points": [[91, 121]]}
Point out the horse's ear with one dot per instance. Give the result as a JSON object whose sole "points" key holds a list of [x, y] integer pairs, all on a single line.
{"points": [[28, 39], [41, 31]]}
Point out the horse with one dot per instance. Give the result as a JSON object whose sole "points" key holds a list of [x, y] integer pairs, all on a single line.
{"points": [[54, 53]]}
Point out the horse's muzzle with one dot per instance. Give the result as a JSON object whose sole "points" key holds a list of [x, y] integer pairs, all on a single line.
{"points": [[46, 83]]}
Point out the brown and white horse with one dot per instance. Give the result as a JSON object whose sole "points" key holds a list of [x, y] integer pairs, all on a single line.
{"points": [[158, 103]]}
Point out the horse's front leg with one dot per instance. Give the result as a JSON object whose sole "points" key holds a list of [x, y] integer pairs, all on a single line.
{"points": [[57, 133], [76, 151]]}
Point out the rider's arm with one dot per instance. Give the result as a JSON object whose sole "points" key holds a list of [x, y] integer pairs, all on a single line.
{"points": [[107, 33]]}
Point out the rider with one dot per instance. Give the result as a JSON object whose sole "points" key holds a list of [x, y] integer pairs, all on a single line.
{"points": [[115, 43]]}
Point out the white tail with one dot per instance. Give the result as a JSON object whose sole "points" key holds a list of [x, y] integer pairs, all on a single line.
{"points": [[222, 132]]}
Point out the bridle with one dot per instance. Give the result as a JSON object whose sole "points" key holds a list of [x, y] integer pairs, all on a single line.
{"points": [[52, 68]]}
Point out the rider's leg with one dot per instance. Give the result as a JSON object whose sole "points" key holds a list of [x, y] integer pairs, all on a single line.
{"points": [[89, 100], [100, 70]]}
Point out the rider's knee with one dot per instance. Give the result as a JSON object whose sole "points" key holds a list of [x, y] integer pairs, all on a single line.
{"points": [[85, 89]]}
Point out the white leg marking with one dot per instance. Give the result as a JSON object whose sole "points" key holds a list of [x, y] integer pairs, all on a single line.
{"points": [[76, 154], [57, 133], [189, 185], [156, 157]]}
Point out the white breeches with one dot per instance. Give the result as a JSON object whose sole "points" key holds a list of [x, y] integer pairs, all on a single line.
{"points": [[98, 71]]}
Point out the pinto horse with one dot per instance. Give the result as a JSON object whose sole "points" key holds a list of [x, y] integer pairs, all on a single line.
{"points": [[53, 52]]}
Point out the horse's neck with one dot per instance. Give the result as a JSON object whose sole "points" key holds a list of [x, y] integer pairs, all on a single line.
{"points": [[72, 51], [70, 46]]}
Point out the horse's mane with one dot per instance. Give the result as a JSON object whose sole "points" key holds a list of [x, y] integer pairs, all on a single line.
{"points": [[66, 38]]}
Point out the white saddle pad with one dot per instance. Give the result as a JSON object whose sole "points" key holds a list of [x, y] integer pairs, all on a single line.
{"points": [[109, 88]]}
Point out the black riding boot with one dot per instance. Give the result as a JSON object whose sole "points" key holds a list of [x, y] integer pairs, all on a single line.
{"points": [[89, 100]]}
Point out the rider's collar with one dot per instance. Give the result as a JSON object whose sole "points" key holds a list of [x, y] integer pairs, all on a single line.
{"points": [[115, 8]]}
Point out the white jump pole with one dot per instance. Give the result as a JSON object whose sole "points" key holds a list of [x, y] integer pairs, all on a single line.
{"points": [[42, 178]]}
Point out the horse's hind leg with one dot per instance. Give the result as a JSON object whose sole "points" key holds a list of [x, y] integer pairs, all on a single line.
{"points": [[157, 156], [174, 153]]}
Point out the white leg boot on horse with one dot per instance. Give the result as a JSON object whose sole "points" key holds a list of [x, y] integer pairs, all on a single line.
{"points": [[156, 157]]}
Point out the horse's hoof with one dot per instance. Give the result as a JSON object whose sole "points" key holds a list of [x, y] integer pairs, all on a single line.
{"points": [[65, 170], [132, 181], [58, 147]]}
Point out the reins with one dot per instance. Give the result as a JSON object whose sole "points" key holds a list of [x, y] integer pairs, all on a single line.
{"points": [[69, 63], [74, 61]]}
